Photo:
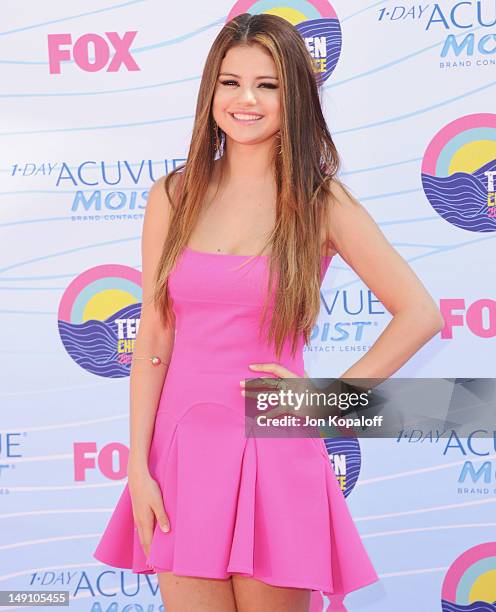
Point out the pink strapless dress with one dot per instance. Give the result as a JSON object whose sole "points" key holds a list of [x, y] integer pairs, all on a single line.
{"points": [[270, 508]]}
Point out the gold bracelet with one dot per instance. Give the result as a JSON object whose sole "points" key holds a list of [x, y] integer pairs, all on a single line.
{"points": [[154, 359]]}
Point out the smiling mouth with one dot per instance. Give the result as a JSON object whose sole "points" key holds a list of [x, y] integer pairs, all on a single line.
{"points": [[246, 117]]}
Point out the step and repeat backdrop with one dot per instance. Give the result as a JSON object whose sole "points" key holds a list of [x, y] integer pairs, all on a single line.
{"points": [[97, 100]]}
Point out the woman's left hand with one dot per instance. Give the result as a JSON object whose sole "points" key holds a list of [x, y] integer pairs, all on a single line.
{"points": [[275, 385]]}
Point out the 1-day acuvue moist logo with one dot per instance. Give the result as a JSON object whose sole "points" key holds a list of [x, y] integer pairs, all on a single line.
{"points": [[315, 20], [468, 26], [459, 172], [470, 582], [98, 319]]}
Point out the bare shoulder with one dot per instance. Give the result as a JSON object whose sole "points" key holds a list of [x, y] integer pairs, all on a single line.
{"points": [[346, 218], [155, 229], [158, 189], [342, 208], [342, 203], [158, 205], [340, 194], [158, 215]]}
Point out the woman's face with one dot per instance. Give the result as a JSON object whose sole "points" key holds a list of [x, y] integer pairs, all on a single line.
{"points": [[247, 84]]}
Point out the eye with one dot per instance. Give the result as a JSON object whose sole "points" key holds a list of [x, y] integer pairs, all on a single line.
{"points": [[268, 85]]}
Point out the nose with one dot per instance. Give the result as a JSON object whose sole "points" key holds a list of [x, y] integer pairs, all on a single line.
{"points": [[247, 95]]}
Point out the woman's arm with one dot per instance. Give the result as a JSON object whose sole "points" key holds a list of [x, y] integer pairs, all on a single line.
{"points": [[153, 338], [416, 317]]}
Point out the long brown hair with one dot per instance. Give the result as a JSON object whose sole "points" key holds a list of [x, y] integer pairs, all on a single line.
{"points": [[304, 163]]}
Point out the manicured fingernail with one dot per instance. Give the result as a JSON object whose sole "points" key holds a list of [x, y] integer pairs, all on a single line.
{"points": [[165, 528], [242, 383], [243, 393]]}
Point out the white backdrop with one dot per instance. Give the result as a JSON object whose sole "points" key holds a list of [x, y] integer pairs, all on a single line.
{"points": [[409, 99]]}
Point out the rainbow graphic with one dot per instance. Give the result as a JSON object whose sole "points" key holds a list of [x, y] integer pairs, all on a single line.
{"points": [[459, 172], [98, 319], [470, 583], [315, 20]]}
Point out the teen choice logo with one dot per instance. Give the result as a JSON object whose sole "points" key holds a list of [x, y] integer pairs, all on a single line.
{"points": [[470, 582], [459, 172], [346, 459], [315, 20], [98, 319]]}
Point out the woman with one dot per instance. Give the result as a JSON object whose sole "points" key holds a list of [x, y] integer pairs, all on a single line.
{"points": [[230, 522]]}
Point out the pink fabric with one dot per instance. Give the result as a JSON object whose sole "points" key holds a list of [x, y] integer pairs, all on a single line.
{"points": [[270, 508]]}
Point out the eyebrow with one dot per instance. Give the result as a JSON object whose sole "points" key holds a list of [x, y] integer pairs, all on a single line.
{"points": [[238, 77]]}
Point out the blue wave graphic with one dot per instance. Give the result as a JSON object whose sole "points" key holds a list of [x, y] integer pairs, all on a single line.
{"points": [[475, 606], [331, 29], [461, 198], [93, 344]]}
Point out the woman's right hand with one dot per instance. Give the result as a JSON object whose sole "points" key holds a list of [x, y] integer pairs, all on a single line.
{"points": [[146, 498]]}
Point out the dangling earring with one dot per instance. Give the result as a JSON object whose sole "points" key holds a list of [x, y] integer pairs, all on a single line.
{"points": [[216, 139], [279, 143]]}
